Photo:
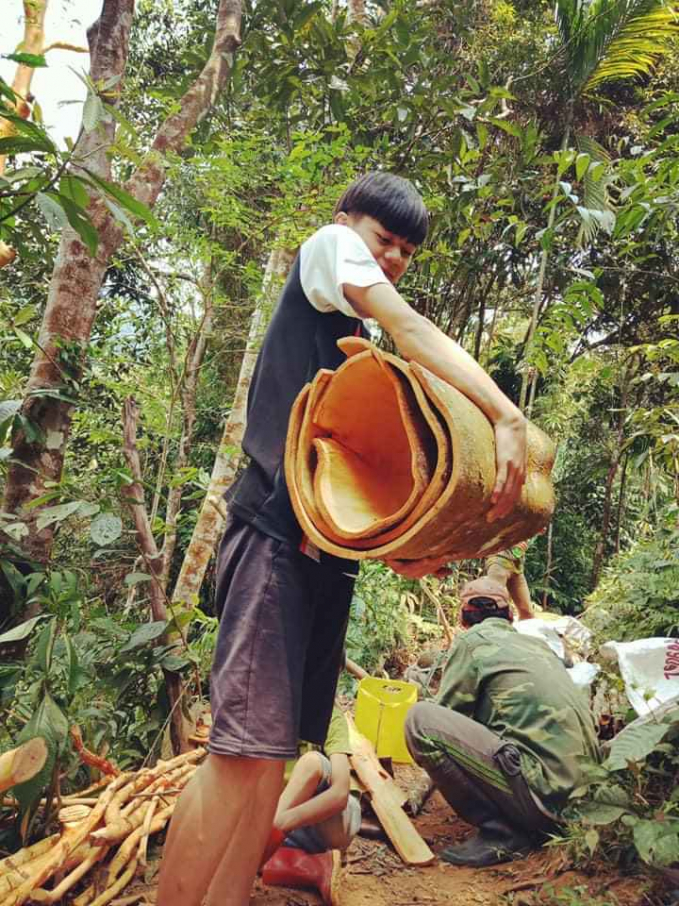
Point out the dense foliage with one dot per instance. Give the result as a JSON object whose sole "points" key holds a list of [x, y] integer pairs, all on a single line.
{"points": [[545, 149]]}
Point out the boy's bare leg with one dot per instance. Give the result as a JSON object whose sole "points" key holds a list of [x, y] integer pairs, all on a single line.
{"points": [[223, 816], [518, 589], [303, 782]]}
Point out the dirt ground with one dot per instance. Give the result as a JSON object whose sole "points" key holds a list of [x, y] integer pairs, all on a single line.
{"points": [[374, 875]]}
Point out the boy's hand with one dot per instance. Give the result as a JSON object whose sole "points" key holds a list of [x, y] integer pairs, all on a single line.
{"points": [[510, 458], [418, 569]]}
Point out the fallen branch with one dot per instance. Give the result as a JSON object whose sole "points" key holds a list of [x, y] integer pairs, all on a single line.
{"points": [[91, 758]]}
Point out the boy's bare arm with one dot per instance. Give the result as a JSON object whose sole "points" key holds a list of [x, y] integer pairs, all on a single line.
{"points": [[418, 339], [317, 808]]}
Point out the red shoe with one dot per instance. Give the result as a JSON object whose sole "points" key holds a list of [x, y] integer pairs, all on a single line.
{"points": [[289, 867]]}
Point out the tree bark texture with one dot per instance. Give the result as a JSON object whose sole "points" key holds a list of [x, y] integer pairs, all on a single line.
{"points": [[77, 277], [212, 515]]}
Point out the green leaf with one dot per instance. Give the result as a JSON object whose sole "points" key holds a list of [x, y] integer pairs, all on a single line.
{"points": [[74, 189], [51, 210], [581, 164], [600, 812], [23, 338], [93, 111], [657, 842], [136, 578], [14, 578], [592, 840], [56, 514], [634, 743], [138, 208], [8, 409], [175, 662], [45, 646], [88, 509], [20, 632], [73, 671], [80, 221], [144, 634], [24, 314], [506, 126], [34, 60], [120, 215], [105, 529]]}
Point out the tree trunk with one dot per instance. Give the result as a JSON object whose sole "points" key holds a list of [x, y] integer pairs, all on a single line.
{"points": [[610, 479], [77, 277], [548, 566], [193, 363], [544, 257], [213, 512], [621, 501], [153, 563], [33, 43], [479, 331]]}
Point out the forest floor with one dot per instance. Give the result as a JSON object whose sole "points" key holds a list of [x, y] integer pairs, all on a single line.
{"points": [[374, 875]]}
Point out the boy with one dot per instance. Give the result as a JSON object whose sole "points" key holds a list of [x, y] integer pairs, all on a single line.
{"points": [[507, 568], [316, 817], [284, 605]]}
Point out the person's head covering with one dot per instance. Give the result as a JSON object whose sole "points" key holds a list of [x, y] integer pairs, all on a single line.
{"points": [[484, 598]]}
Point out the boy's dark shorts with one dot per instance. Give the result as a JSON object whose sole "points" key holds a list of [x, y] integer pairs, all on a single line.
{"points": [[283, 619]]}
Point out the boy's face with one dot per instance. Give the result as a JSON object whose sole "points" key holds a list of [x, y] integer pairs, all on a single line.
{"points": [[393, 253]]}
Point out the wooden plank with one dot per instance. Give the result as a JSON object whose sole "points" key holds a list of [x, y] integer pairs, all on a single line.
{"points": [[359, 743], [386, 803]]}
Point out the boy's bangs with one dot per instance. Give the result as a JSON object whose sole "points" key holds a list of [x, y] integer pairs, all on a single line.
{"points": [[392, 200], [405, 217]]}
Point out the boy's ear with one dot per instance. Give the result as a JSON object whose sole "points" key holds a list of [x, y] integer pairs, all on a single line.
{"points": [[341, 217]]}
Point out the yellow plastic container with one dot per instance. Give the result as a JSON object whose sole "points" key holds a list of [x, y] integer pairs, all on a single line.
{"points": [[381, 708]]}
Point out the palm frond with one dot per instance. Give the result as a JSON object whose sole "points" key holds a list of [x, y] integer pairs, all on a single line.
{"points": [[595, 195], [613, 39], [634, 48]]}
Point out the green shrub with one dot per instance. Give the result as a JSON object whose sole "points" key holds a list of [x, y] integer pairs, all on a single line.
{"points": [[638, 596]]}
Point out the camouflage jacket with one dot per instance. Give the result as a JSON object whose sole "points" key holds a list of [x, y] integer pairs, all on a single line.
{"points": [[518, 688]]}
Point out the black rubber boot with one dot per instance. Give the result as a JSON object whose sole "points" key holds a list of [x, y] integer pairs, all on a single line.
{"points": [[494, 843]]}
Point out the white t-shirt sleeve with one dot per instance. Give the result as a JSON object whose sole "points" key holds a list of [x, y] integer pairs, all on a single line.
{"points": [[333, 256]]}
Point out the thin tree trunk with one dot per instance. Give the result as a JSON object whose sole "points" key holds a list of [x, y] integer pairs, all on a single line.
{"points": [[548, 567], [482, 318], [610, 479], [621, 501], [77, 277], [194, 361], [544, 257], [33, 43], [213, 511], [153, 563]]}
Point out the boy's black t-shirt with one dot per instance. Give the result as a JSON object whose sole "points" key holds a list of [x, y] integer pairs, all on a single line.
{"points": [[300, 339]]}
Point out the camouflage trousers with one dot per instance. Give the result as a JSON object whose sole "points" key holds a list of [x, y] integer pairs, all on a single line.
{"points": [[477, 772]]}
